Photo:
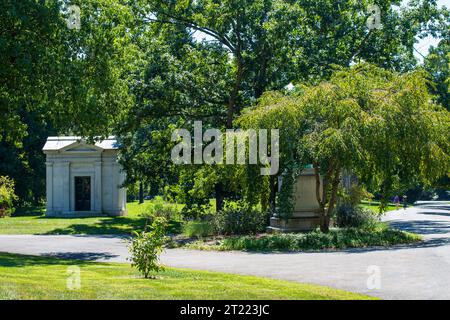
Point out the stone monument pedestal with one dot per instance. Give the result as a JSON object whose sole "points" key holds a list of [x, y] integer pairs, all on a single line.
{"points": [[306, 208]]}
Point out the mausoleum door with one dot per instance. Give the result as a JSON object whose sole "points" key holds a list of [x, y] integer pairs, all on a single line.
{"points": [[82, 193]]}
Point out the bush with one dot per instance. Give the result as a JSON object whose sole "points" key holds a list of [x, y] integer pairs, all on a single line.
{"points": [[316, 240], [196, 210], [7, 196], [237, 218], [146, 247], [348, 216], [198, 229], [159, 208]]}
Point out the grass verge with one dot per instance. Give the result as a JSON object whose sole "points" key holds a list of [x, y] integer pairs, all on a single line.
{"points": [[374, 206], [31, 277], [32, 220]]}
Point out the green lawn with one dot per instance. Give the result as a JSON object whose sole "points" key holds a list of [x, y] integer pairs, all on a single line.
{"points": [[33, 221], [374, 206], [28, 277]]}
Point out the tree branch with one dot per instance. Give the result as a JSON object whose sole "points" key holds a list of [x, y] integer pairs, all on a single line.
{"points": [[317, 175], [180, 21], [358, 50]]}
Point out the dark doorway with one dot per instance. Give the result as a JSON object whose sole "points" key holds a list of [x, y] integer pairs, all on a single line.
{"points": [[82, 193]]}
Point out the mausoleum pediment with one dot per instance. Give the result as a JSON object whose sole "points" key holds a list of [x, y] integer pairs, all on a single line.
{"points": [[77, 144], [81, 147]]}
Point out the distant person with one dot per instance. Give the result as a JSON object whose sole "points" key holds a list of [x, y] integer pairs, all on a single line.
{"points": [[397, 202], [405, 203]]}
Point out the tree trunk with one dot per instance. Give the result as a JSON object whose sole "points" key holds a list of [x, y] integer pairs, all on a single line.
{"points": [[234, 93], [141, 192], [325, 226], [273, 192], [261, 77], [326, 205], [219, 196], [325, 223], [321, 199]]}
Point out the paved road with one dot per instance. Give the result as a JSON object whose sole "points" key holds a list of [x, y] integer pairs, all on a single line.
{"points": [[406, 272]]}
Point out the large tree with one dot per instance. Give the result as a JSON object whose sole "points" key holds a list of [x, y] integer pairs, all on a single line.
{"points": [[274, 42], [382, 126], [177, 80], [56, 80], [250, 47]]}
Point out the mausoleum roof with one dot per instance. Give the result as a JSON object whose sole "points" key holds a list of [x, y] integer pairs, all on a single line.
{"points": [[59, 143]]}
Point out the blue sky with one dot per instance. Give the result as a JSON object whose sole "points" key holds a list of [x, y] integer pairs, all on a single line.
{"points": [[424, 44]]}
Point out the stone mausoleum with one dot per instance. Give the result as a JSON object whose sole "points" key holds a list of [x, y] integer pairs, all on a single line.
{"points": [[84, 179]]}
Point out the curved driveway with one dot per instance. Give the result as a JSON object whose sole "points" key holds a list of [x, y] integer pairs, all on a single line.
{"points": [[419, 271]]}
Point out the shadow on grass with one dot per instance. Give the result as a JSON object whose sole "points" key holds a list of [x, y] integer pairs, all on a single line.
{"points": [[114, 226], [110, 226], [86, 256], [103, 225], [29, 211], [16, 260]]}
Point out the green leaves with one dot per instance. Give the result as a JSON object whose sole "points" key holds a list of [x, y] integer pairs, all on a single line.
{"points": [[380, 125], [7, 196], [260, 46], [54, 80], [437, 64], [73, 77], [146, 247]]}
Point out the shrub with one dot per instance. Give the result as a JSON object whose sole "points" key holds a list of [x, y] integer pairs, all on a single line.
{"points": [[146, 247], [159, 208], [7, 196], [237, 218], [198, 229], [316, 240], [196, 210], [348, 216]]}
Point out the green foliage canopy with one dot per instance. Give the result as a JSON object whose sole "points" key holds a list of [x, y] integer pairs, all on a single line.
{"points": [[56, 80], [380, 125], [251, 47], [437, 63]]}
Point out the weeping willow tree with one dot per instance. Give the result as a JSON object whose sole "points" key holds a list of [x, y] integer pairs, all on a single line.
{"points": [[381, 125]]}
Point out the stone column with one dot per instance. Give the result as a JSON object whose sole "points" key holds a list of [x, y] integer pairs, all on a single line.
{"points": [[66, 186], [49, 187], [115, 189], [98, 186], [123, 192]]}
